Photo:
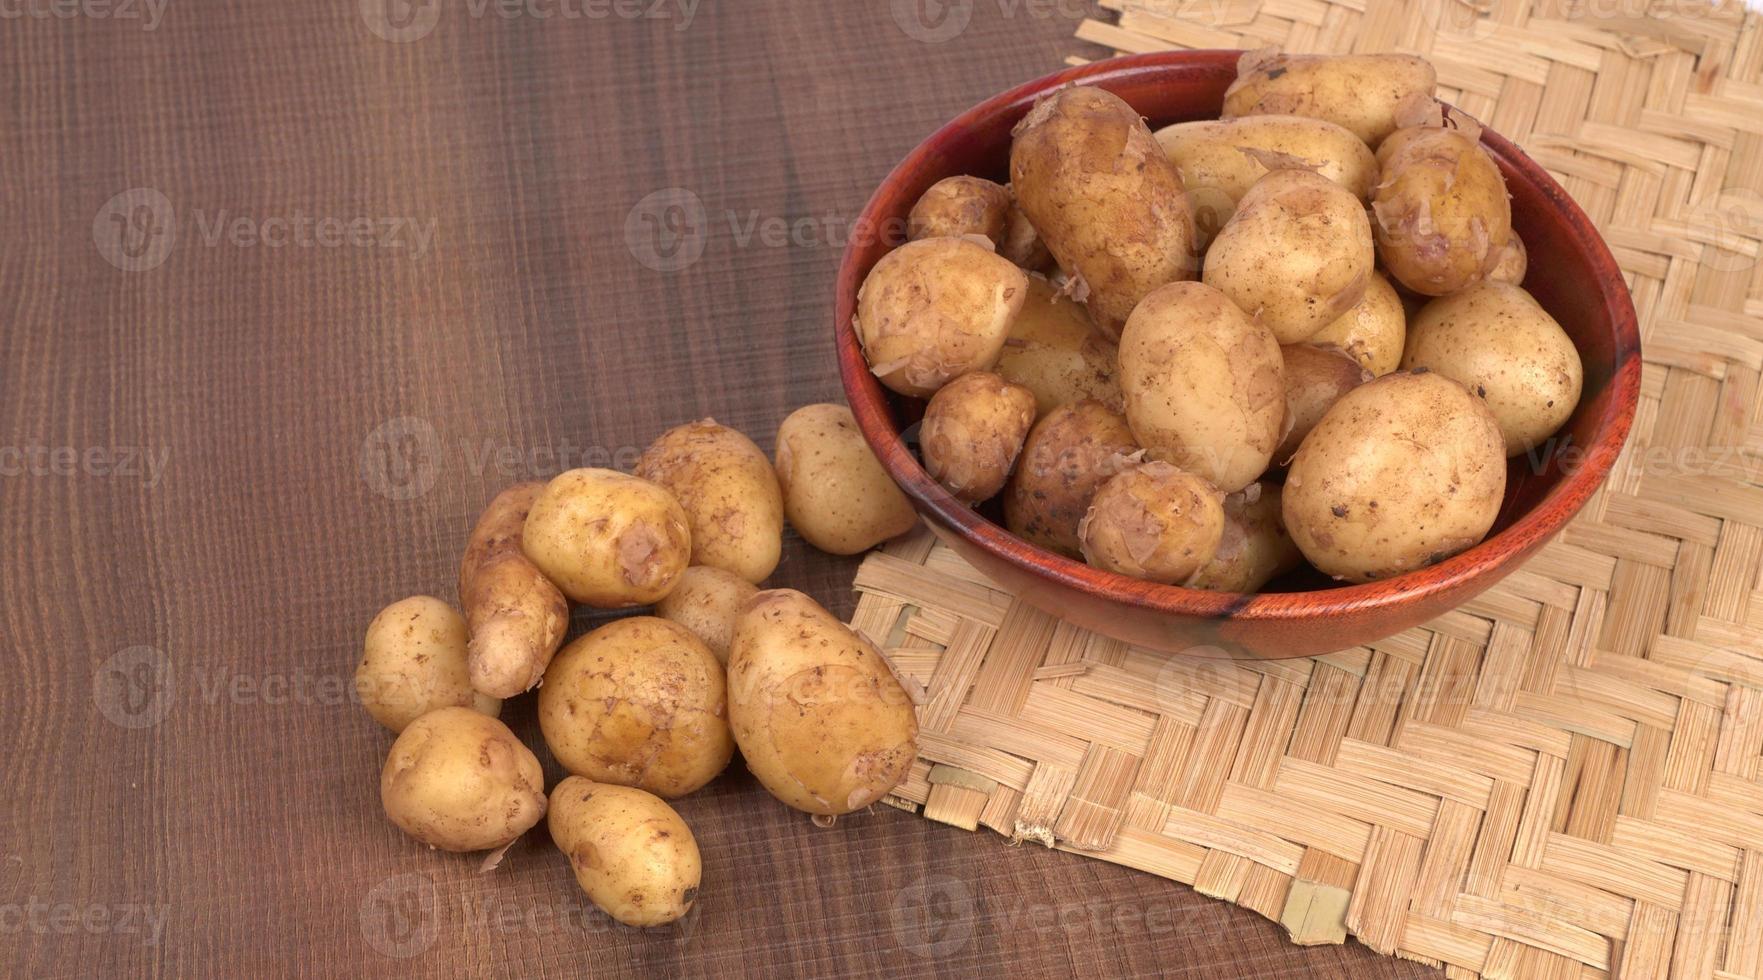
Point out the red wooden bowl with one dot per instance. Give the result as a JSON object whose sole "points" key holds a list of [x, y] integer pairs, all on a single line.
{"points": [[1571, 273]]}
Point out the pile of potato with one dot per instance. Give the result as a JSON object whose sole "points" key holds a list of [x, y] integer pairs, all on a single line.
{"points": [[1208, 354], [644, 709]]}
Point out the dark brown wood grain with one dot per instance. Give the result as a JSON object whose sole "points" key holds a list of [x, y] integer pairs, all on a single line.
{"points": [[219, 465]]}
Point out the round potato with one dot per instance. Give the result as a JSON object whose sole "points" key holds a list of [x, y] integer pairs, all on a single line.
{"points": [[836, 494], [1254, 547], [820, 717], [1362, 93], [706, 601], [956, 206], [1315, 379], [1220, 159], [607, 539], [972, 432], [729, 492], [460, 781], [1153, 522], [1442, 214], [1054, 351], [1204, 384], [414, 661], [1105, 198], [1373, 331], [1297, 254], [1068, 455], [631, 853], [638, 702], [1401, 473], [1495, 340], [935, 309], [1513, 263]]}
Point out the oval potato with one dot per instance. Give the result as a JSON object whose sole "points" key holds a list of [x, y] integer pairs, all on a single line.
{"points": [[1220, 159], [935, 309], [1153, 522], [1362, 93], [1055, 352], [957, 206], [729, 492], [973, 430], [836, 494], [820, 718], [461, 781], [414, 661], [1513, 263], [1373, 332], [607, 539], [1442, 214], [1315, 379], [707, 601], [1254, 547], [631, 853], [1067, 456]]}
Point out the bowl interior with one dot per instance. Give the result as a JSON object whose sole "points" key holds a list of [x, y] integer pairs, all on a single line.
{"points": [[1571, 274]]}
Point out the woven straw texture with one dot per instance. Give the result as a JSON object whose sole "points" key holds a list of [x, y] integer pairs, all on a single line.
{"points": [[1560, 779]]}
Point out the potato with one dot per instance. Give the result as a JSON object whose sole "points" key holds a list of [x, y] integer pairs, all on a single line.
{"points": [[460, 781], [1055, 352], [1254, 547], [1068, 455], [1494, 339], [1022, 243], [1513, 263], [607, 539], [1401, 473], [1297, 254], [517, 617], [1204, 384], [1105, 198], [972, 432], [631, 853], [1153, 522], [414, 661], [1361, 93], [706, 601], [956, 206], [1373, 331], [934, 309], [1315, 379], [1441, 211], [836, 494], [638, 702], [729, 492], [820, 717], [1220, 159]]}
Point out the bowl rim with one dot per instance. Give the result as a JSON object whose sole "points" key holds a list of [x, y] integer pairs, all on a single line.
{"points": [[1480, 565]]}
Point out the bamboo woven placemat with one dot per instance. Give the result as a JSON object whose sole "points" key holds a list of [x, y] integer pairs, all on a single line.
{"points": [[1560, 779]]}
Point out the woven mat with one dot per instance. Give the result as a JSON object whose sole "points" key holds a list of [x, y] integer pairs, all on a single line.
{"points": [[1560, 779]]}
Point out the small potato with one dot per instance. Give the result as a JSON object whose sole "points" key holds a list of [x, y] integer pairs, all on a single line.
{"points": [[1055, 352], [729, 492], [706, 601], [1220, 159], [607, 539], [1153, 522], [414, 661], [1513, 263], [1373, 331], [1254, 548], [1068, 455], [1204, 384], [1441, 211], [972, 432], [516, 615], [1297, 254], [1315, 379], [1402, 473], [934, 309], [638, 702], [1105, 198], [836, 494], [956, 206], [1022, 243], [820, 717], [1362, 93], [631, 853], [1495, 340], [460, 781]]}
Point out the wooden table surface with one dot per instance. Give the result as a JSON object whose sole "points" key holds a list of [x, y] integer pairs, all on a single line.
{"points": [[291, 289]]}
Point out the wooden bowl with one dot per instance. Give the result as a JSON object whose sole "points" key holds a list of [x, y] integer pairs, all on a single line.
{"points": [[1571, 273]]}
